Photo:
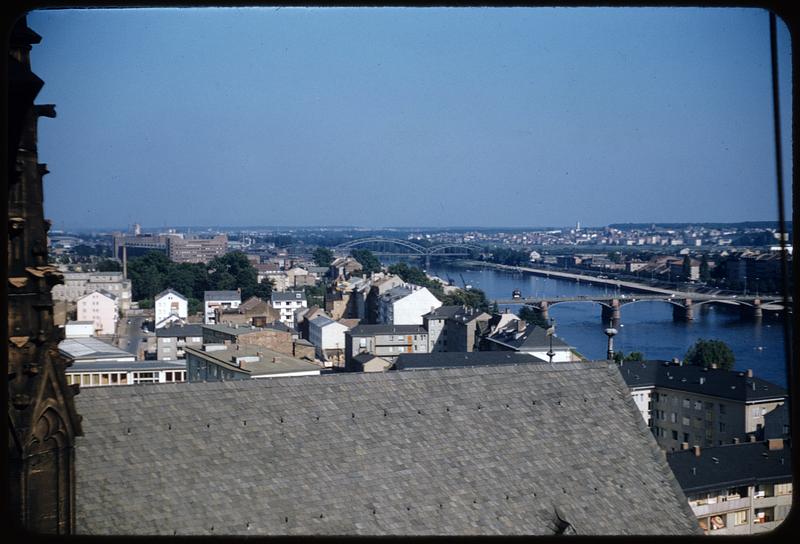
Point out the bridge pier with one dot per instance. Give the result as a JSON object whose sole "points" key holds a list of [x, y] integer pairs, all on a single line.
{"points": [[427, 261], [611, 313], [683, 313], [543, 310], [757, 311]]}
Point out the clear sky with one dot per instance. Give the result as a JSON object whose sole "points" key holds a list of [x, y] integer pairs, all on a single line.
{"points": [[409, 117]]}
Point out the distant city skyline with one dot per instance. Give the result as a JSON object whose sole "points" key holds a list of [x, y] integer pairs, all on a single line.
{"points": [[426, 118]]}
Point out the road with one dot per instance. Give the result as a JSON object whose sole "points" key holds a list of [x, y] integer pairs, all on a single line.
{"points": [[130, 334]]}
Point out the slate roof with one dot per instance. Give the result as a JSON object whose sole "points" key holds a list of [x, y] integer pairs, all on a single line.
{"points": [[533, 338], [480, 450], [731, 465], [269, 363], [388, 328], [168, 291], [221, 295], [180, 331], [457, 313], [450, 359], [278, 296], [233, 331], [730, 384]]}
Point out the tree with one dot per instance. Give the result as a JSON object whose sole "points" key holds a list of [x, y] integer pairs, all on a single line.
{"points": [[710, 352], [264, 289], [323, 256], [412, 274], [474, 298], [495, 308], [705, 274], [686, 268], [367, 259], [529, 315], [108, 265], [233, 271]]}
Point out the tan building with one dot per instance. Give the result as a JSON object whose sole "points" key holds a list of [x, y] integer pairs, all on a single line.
{"points": [[274, 336], [102, 309], [78, 284]]}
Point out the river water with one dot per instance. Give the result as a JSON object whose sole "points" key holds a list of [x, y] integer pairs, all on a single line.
{"points": [[646, 326]]}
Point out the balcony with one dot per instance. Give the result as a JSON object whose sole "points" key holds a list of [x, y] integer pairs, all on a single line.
{"points": [[721, 506]]}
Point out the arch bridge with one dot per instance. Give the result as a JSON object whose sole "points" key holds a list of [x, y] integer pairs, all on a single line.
{"points": [[406, 247], [683, 304]]}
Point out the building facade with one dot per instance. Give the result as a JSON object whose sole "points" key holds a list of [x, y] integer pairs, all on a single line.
{"points": [[172, 341], [328, 338], [286, 303], [736, 489], [196, 249], [78, 284], [384, 341], [130, 373], [170, 306], [455, 328], [222, 300], [703, 407], [102, 309], [406, 304]]}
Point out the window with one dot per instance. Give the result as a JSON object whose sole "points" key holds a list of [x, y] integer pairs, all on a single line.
{"points": [[687, 403], [703, 522], [674, 435], [673, 417], [783, 489], [709, 415], [709, 405], [740, 517], [686, 437], [685, 420], [721, 427], [167, 340], [721, 409], [717, 522], [698, 405]]}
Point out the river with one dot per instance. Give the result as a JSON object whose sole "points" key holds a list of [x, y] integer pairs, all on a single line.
{"points": [[646, 326]]}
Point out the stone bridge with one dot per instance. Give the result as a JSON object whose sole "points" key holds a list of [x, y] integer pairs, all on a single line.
{"points": [[683, 304]]}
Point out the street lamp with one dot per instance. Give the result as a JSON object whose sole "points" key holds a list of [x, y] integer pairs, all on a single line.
{"points": [[610, 332], [550, 332]]}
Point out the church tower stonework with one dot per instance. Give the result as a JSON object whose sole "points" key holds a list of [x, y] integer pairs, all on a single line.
{"points": [[42, 421]]}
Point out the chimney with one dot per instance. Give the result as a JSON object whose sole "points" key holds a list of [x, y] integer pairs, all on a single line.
{"points": [[736, 440], [749, 372], [713, 366], [775, 444], [684, 445], [753, 385], [702, 380], [696, 451], [751, 438], [521, 324]]}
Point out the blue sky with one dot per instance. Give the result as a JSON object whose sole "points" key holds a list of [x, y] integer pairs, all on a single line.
{"points": [[409, 117]]}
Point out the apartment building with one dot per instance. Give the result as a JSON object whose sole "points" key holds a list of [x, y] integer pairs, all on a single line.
{"points": [[736, 489], [385, 341], [328, 338], [102, 309], [286, 303], [196, 249], [455, 328], [111, 373], [170, 307], [699, 406], [240, 362], [78, 284], [517, 335], [172, 341], [222, 300], [406, 304]]}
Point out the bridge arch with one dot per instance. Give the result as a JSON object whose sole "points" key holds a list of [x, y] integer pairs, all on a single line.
{"points": [[415, 248], [439, 249]]}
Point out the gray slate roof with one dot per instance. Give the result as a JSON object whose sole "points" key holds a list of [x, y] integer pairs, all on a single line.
{"points": [[488, 450], [533, 338], [282, 296], [730, 384], [380, 328], [731, 465], [222, 295], [168, 291], [450, 359], [179, 331]]}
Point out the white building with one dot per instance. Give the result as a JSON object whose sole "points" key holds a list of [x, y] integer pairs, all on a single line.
{"points": [[327, 336], [406, 304], [102, 309], [219, 299], [170, 306], [286, 303], [93, 374], [78, 284], [79, 329]]}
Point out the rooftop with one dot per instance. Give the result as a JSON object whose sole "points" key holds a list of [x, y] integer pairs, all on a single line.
{"points": [[222, 296], [380, 328], [457, 313], [121, 366], [91, 348], [730, 384], [533, 338], [269, 362], [278, 296], [233, 330], [176, 331], [479, 450], [732, 465], [170, 291], [451, 359]]}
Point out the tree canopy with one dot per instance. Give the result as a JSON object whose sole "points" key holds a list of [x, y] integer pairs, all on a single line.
{"points": [[528, 314], [412, 274], [474, 298], [322, 256], [367, 259], [710, 352]]}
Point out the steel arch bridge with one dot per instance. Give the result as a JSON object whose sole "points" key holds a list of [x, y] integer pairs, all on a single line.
{"points": [[411, 248]]}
